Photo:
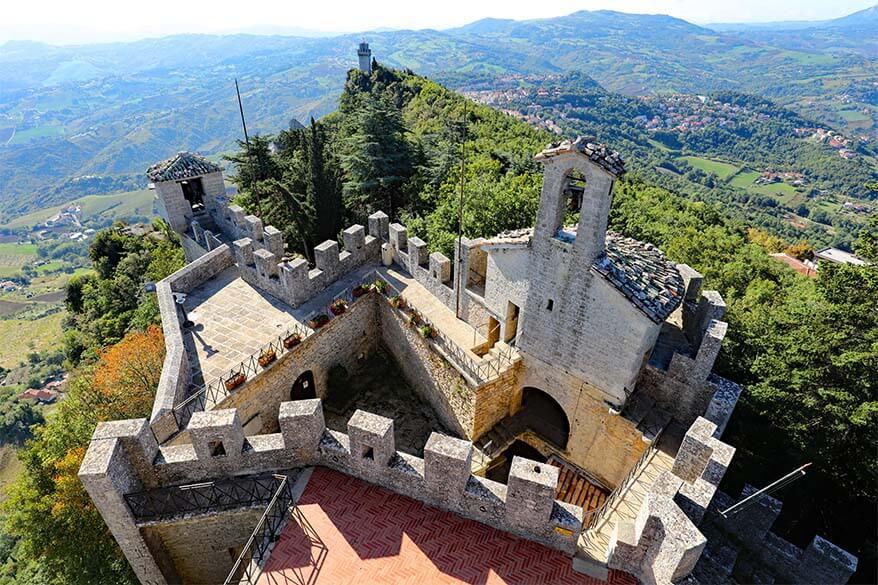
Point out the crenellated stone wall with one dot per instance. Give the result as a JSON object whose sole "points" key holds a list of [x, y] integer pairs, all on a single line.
{"points": [[123, 457]]}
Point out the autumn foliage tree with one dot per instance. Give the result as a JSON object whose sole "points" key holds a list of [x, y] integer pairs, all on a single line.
{"points": [[48, 509]]}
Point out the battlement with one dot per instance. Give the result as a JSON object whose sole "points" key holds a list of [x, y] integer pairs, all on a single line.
{"points": [[662, 543], [124, 458]]}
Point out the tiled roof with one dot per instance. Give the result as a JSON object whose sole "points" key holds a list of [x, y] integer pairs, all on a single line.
{"points": [[642, 273], [609, 160], [183, 165]]}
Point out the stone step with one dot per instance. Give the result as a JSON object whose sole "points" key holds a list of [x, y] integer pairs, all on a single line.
{"points": [[583, 563]]}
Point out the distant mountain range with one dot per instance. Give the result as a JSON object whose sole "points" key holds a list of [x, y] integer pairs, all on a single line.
{"points": [[862, 19], [112, 109]]}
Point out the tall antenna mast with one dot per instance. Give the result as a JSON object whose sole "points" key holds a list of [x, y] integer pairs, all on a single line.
{"points": [[247, 143], [463, 136], [243, 122]]}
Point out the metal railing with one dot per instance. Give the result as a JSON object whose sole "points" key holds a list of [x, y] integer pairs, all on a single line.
{"points": [[211, 393], [482, 370], [598, 514], [248, 566], [210, 496]]}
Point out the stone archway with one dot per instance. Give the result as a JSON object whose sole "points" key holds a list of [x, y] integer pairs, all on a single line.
{"points": [[543, 415], [303, 388]]}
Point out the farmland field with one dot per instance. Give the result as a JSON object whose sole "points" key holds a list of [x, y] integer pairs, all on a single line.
{"points": [[720, 169], [18, 334], [117, 205]]}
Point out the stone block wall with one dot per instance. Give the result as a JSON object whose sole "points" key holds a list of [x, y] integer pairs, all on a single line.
{"points": [[345, 341], [259, 256], [525, 506], [174, 380], [663, 543], [748, 534], [434, 271], [433, 377]]}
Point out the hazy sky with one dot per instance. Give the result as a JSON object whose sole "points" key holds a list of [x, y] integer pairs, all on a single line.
{"points": [[83, 21]]}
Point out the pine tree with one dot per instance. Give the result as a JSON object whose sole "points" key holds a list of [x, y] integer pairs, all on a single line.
{"points": [[377, 159]]}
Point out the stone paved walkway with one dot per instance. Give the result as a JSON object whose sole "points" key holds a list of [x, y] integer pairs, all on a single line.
{"points": [[459, 331], [355, 533], [232, 321]]}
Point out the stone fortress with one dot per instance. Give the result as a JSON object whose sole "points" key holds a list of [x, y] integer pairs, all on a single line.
{"points": [[586, 351]]}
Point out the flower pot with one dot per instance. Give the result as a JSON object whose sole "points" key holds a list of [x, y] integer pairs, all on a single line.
{"points": [[234, 381], [380, 286], [318, 321], [359, 291], [292, 341], [338, 307], [267, 357], [426, 332]]}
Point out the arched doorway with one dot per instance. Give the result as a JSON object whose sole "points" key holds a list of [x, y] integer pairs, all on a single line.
{"points": [[303, 388], [544, 416]]}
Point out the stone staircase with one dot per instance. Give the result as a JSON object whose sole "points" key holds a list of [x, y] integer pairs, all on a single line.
{"points": [[648, 418], [501, 435], [205, 221]]}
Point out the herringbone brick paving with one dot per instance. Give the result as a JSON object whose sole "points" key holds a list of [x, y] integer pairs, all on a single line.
{"points": [[370, 535]]}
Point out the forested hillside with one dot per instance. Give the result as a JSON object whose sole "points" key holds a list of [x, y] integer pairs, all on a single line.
{"points": [[761, 162], [106, 112]]}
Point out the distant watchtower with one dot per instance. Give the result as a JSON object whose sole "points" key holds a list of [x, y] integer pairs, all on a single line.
{"points": [[365, 55]]}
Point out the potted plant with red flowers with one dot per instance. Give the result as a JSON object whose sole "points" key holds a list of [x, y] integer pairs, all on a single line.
{"points": [[427, 331], [235, 380], [359, 290], [338, 306], [292, 340], [380, 286], [267, 357]]}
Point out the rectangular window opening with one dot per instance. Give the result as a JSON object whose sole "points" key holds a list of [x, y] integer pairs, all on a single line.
{"points": [[368, 453], [550, 305], [216, 448]]}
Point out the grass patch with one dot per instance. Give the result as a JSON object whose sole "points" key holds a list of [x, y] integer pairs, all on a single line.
{"points": [[24, 136], [53, 266], [10, 468], [18, 249], [20, 336], [744, 179], [720, 169]]}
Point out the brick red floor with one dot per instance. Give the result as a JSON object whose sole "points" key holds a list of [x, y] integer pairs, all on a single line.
{"points": [[353, 532]]}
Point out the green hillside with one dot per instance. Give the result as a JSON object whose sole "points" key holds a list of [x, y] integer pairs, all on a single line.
{"points": [[118, 205]]}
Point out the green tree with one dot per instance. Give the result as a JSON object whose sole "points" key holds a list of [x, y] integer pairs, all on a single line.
{"points": [[377, 158]]}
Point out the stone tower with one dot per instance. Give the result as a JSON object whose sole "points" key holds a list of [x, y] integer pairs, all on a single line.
{"points": [[188, 187], [365, 55]]}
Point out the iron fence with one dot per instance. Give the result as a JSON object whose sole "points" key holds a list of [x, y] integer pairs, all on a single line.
{"points": [[482, 370], [214, 496], [249, 564], [213, 392], [600, 513]]}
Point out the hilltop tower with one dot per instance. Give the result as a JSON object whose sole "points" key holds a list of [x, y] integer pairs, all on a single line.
{"points": [[365, 55], [187, 187]]}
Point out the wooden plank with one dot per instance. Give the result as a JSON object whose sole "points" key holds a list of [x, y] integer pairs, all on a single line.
{"points": [[576, 491]]}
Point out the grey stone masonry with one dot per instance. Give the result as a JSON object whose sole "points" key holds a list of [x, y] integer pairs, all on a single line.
{"points": [[174, 380], [259, 256], [116, 466], [695, 451], [663, 543], [750, 530]]}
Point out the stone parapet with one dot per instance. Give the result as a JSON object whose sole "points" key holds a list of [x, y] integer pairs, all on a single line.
{"points": [[259, 256], [174, 380], [526, 506]]}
